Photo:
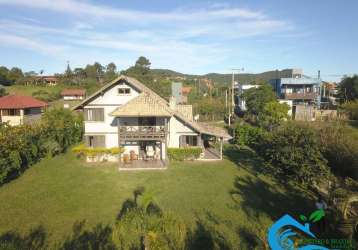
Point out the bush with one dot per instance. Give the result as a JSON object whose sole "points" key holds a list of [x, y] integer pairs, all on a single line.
{"points": [[293, 153], [22, 146], [52, 148], [82, 150], [181, 154], [46, 96], [340, 148], [351, 108], [62, 126], [247, 135], [141, 224]]}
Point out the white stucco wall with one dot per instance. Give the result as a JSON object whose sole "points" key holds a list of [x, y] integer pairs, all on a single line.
{"points": [[109, 101], [111, 96], [12, 120], [176, 129]]}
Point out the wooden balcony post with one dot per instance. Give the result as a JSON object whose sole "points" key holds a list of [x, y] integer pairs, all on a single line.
{"points": [[221, 148], [166, 130], [119, 131]]}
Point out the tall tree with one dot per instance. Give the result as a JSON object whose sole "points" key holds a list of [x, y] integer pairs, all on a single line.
{"points": [[273, 114], [15, 74], [110, 72], [142, 62], [348, 89], [4, 72], [256, 98], [68, 72], [91, 71], [111, 67]]}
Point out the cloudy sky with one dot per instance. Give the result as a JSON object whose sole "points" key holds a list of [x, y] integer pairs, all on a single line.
{"points": [[187, 36]]}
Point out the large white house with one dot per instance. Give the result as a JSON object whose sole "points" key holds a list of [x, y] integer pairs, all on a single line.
{"points": [[126, 113]]}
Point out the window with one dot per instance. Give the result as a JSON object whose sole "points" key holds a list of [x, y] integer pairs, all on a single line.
{"points": [[124, 91], [191, 140], [11, 112], [94, 114], [95, 141], [32, 111], [188, 141]]}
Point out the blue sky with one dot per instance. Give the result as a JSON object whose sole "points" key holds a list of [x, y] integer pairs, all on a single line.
{"points": [[187, 36]]}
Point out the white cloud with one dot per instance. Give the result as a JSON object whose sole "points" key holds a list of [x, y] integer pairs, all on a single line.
{"points": [[25, 43], [75, 7], [183, 39]]}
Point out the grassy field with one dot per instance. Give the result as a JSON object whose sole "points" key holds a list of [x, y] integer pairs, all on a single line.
{"points": [[28, 90], [57, 192]]}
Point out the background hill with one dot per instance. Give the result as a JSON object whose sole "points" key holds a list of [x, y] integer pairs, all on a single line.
{"points": [[218, 78]]}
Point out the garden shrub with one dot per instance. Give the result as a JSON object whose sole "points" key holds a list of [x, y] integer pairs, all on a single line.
{"points": [[141, 224], [351, 108], [22, 146], [82, 150], [247, 135], [293, 153], [340, 148], [181, 154], [46, 96]]}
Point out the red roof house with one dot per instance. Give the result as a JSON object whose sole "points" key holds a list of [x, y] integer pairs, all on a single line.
{"points": [[18, 110], [20, 102]]}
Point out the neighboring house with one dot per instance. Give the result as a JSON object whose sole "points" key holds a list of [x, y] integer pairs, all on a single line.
{"points": [[43, 80], [126, 113], [73, 94], [330, 92], [18, 110], [299, 89]]}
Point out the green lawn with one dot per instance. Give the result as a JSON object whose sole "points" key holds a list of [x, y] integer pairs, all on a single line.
{"points": [[57, 192]]}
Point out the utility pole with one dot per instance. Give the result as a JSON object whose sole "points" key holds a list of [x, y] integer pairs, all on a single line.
{"points": [[226, 99]]}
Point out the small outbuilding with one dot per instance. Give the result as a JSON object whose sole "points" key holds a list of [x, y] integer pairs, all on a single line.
{"points": [[73, 94]]}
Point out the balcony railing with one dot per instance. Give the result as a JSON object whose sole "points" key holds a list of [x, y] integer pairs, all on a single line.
{"points": [[298, 96], [142, 132]]}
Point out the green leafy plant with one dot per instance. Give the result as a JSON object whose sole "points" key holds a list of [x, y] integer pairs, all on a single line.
{"points": [[181, 154]]}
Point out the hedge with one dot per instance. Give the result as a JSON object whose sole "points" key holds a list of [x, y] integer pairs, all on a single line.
{"points": [[81, 150], [22, 146], [181, 154]]}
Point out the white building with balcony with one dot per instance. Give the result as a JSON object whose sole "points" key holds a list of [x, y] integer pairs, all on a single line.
{"points": [[125, 113]]}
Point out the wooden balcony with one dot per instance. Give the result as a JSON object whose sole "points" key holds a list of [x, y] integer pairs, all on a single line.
{"points": [[299, 96], [142, 133]]}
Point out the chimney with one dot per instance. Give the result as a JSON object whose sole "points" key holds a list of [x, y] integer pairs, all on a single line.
{"points": [[172, 102], [319, 74]]}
